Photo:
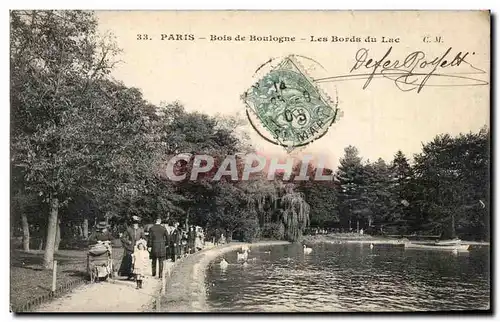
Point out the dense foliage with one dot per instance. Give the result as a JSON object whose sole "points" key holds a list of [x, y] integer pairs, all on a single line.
{"points": [[444, 192]]}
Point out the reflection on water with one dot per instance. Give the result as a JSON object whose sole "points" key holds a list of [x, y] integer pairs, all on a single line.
{"points": [[351, 277]]}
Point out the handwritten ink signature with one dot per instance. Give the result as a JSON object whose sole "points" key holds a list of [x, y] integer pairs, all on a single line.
{"points": [[414, 72]]}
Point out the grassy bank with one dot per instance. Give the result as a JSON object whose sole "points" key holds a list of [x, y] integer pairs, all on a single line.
{"points": [[29, 281]]}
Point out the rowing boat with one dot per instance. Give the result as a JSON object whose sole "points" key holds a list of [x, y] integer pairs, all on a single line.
{"points": [[448, 242], [458, 247]]}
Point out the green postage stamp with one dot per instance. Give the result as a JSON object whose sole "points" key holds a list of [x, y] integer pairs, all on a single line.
{"points": [[286, 108]]}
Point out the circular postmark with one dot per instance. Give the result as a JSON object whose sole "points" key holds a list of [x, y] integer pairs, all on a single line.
{"points": [[292, 111]]}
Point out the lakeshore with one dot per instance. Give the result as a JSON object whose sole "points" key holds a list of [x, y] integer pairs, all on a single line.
{"points": [[367, 239]]}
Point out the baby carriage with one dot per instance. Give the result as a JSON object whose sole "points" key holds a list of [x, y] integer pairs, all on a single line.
{"points": [[99, 261]]}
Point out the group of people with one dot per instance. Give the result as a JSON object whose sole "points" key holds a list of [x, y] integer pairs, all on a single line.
{"points": [[157, 242]]}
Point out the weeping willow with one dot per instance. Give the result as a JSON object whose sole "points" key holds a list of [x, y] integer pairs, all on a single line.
{"points": [[280, 203], [295, 213]]}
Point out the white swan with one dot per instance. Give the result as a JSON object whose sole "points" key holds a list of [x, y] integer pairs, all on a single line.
{"points": [[242, 256], [223, 264], [371, 246], [307, 250]]}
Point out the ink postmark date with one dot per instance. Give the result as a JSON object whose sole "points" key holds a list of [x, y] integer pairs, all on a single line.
{"points": [[291, 109]]}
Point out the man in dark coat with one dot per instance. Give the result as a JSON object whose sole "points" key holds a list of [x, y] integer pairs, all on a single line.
{"points": [[128, 239], [176, 241], [191, 239], [158, 237], [169, 246]]}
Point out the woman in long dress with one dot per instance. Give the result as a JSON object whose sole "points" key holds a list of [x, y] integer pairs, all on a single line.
{"points": [[199, 239], [129, 239]]}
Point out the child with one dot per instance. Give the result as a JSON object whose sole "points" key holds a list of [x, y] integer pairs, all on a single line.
{"points": [[140, 261]]}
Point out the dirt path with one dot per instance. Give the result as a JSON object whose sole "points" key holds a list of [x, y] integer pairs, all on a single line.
{"points": [[118, 295]]}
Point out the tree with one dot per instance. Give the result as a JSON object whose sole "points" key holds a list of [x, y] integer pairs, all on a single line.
{"points": [[25, 206], [294, 212], [322, 199], [377, 196], [350, 181], [55, 58], [400, 189], [196, 134], [452, 174]]}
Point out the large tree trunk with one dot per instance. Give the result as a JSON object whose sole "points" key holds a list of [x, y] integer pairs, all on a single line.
{"points": [[48, 257], [26, 232], [85, 228], [453, 232], [58, 237]]}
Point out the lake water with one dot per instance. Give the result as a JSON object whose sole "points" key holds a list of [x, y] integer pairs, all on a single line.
{"points": [[349, 278]]}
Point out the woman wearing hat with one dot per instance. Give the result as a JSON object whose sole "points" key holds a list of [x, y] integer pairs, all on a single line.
{"points": [[100, 234], [191, 240], [129, 239]]}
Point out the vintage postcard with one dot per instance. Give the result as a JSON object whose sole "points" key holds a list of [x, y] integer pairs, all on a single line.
{"points": [[250, 161]]}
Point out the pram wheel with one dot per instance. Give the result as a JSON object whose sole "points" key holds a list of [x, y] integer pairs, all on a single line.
{"points": [[94, 275]]}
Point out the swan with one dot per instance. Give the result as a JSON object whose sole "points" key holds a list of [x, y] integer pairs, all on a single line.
{"points": [[223, 264], [242, 256], [267, 252], [371, 246], [307, 250]]}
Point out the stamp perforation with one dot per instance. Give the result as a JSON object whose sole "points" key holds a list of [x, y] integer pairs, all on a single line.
{"points": [[293, 65]]}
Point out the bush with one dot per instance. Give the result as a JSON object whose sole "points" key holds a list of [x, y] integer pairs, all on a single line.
{"points": [[74, 243], [250, 230], [273, 231]]}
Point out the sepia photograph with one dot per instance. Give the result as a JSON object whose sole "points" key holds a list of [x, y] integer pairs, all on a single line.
{"points": [[250, 161]]}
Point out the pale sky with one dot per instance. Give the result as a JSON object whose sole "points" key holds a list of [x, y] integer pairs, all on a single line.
{"points": [[210, 76]]}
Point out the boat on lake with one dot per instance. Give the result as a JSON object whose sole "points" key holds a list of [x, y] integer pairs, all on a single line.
{"points": [[438, 246], [449, 242]]}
